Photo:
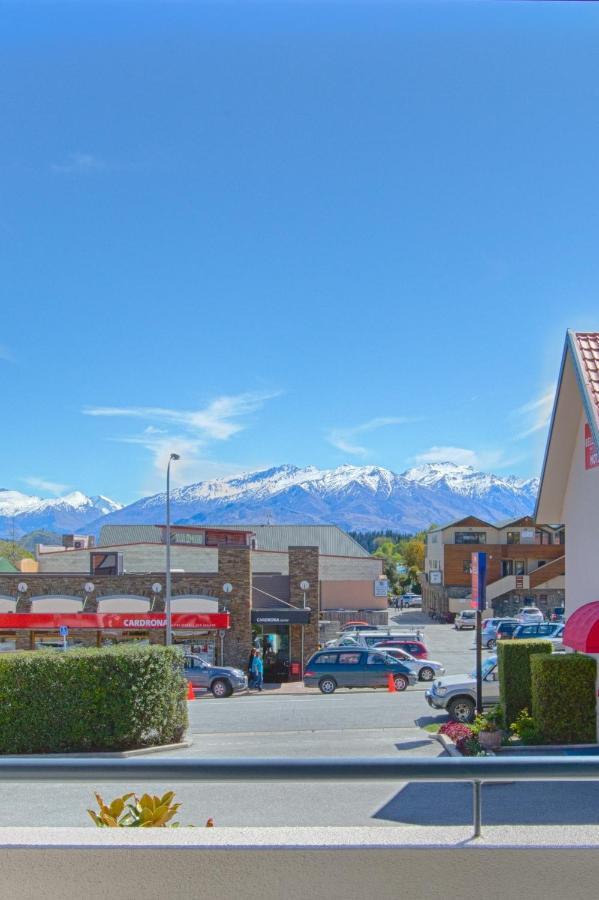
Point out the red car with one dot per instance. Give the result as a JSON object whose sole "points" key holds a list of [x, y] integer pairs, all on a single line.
{"points": [[416, 648], [358, 625]]}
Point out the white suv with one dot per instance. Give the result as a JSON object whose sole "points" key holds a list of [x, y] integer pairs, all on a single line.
{"points": [[466, 618], [530, 615]]}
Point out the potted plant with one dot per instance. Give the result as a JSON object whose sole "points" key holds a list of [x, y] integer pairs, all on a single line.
{"points": [[488, 729]]}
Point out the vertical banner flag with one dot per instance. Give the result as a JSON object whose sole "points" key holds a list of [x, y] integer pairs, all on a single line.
{"points": [[591, 452], [479, 581]]}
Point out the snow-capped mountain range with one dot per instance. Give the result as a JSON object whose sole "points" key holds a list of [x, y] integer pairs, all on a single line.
{"points": [[21, 513], [354, 497], [360, 498]]}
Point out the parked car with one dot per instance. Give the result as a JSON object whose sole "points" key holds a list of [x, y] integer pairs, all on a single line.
{"points": [[410, 645], [457, 693], [558, 614], [552, 631], [410, 600], [505, 629], [530, 615], [425, 669], [357, 626], [489, 631], [222, 681], [355, 668], [466, 618]]}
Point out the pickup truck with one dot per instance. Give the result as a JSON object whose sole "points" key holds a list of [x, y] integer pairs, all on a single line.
{"points": [[457, 693]]}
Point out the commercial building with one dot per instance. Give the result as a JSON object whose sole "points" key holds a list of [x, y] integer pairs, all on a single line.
{"points": [[525, 564], [232, 587], [569, 490]]}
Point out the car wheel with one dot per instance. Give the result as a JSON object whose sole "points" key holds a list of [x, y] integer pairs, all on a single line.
{"points": [[327, 685], [221, 688], [491, 644], [401, 682], [461, 709], [426, 674]]}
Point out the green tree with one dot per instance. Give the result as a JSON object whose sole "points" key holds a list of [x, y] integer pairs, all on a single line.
{"points": [[14, 552]]}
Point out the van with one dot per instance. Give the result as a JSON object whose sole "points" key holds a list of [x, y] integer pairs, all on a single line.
{"points": [[355, 668]]}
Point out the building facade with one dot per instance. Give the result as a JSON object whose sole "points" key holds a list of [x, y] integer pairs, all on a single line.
{"points": [[232, 589], [525, 565]]}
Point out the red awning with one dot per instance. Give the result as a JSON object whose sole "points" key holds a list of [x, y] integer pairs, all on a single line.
{"points": [[582, 629], [117, 621]]}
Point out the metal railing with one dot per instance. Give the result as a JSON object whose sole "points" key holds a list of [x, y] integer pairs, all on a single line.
{"points": [[476, 770]]}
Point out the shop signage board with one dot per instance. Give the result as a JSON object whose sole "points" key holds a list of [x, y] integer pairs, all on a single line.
{"points": [[113, 621], [591, 452], [381, 587], [280, 617]]}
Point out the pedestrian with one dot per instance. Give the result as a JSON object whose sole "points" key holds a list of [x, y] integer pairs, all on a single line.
{"points": [[258, 671], [251, 667]]}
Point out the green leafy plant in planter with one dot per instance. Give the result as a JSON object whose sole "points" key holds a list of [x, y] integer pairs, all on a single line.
{"points": [[488, 729], [526, 728], [131, 811]]}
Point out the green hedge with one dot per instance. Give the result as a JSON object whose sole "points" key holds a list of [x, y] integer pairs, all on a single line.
{"points": [[115, 698], [563, 698], [514, 674]]}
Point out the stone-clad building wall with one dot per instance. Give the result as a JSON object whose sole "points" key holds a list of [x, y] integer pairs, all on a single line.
{"points": [[304, 566], [234, 567]]}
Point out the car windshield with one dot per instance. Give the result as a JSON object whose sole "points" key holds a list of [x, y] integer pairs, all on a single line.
{"points": [[487, 666]]}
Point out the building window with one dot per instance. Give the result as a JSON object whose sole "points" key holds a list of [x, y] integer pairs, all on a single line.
{"points": [[470, 537], [519, 567], [541, 562], [467, 567], [513, 537], [507, 567], [542, 537], [561, 537], [434, 538]]}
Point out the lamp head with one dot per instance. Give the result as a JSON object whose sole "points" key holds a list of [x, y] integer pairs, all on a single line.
{"points": [[175, 456]]}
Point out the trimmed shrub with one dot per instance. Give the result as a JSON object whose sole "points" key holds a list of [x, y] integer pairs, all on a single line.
{"points": [[115, 698], [563, 698], [514, 674]]}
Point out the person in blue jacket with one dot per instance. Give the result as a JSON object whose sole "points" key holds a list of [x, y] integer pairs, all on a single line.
{"points": [[258, 671]]}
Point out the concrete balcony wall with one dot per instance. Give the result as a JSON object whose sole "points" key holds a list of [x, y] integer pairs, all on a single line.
{"points": [[436, 863]]}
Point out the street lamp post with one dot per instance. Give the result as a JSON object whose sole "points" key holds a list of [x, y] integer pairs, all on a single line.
{"points": [[167, 598]]}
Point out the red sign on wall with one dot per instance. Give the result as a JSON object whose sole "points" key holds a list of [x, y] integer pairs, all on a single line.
{"points": [[118, 621], [591, 453]]}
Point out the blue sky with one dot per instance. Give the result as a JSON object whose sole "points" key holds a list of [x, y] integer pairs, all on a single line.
{"points": [[289, 232]]}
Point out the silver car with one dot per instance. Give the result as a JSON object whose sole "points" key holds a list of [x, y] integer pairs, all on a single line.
{"points": [[530, 615], [424, 669]]}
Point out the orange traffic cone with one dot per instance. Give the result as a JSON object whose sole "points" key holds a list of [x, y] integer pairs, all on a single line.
{"points": [[191, 695], [391, 684]]}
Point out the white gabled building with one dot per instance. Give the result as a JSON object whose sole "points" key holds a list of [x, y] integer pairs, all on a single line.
{"points": [[569, 490]]}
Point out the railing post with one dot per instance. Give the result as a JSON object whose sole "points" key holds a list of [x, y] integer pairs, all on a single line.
{"points": [[477, 807]]}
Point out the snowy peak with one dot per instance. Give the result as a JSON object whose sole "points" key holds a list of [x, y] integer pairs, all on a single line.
{"points": [[71, 512]]}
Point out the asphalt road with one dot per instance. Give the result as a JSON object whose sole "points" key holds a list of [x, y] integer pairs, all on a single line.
{"points": [[348, 723]]}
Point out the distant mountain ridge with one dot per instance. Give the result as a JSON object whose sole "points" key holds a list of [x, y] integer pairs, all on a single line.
{"points": [[22, 513], [357, 498]]}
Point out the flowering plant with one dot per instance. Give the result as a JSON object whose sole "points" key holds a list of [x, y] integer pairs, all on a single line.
{"points": [[456, 731]]}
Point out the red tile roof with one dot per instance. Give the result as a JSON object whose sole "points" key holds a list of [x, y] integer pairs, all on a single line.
{"points": [[587, 344]]}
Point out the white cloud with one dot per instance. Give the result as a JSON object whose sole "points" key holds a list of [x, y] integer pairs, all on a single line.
{"points": [[216, 421], [188, 433], [79, 164], [535, 415], [482, 460], [461, 456], [342, 438], [43, 484]]}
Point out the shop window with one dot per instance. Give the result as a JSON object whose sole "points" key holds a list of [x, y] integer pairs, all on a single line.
{"points": [[470, 537], [8, 642]]}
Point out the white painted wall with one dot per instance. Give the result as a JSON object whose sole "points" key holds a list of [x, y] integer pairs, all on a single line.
{"points": [[56, 605], [581, 516], [434, 862]]}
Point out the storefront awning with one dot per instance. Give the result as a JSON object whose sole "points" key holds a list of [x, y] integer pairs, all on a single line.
{"points": [[114, 621], [582, 629], [281, 616]]}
